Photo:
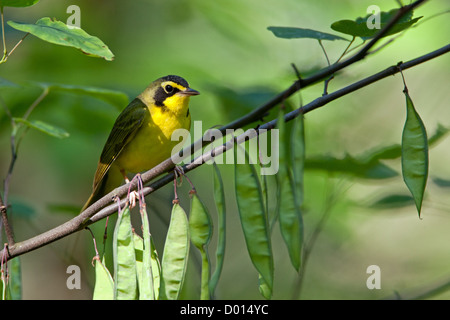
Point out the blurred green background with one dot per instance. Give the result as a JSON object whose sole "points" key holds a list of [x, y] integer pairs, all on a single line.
{"points": [[222, 47]]}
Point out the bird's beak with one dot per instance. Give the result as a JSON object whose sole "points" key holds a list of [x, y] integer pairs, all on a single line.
{"points": [[189, 92]]}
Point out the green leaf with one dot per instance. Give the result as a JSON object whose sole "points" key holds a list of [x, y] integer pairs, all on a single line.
{"points": [[138, 252], [20, 208], [66, 208], [414, 153], [200, 224], [441, 131], [204, 286], [17, 3], [15, 279], [59, 33], [393, 201], [200, 229], [219, 197], [104, 283], [44, 127], [299, 33], [125, 274], [116, 98], [175, 255], [289, 191], [156, 269], [264, 287], [367, 165], [4, 286], [297, 156], [349, 165], [150, 280], [395, 151], [389, 152], [358, 27], [244, 101], [443, 183], [7, 84], [253, 218]]}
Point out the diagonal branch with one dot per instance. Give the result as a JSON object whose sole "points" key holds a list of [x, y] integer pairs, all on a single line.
{"points": [[93, 213]]}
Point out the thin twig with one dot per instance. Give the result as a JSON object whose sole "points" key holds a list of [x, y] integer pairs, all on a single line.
{"points": [[14, 149], [346, 50], [15, 143], [8, 230], [93, 239], [325, 52], [36, 102], [327, 81], [17, 44]]}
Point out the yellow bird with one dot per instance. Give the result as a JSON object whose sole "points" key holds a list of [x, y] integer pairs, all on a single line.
{"points": [[141, 136]]}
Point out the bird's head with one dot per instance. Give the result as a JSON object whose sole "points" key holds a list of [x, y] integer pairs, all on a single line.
{"points": [[169, 93]]}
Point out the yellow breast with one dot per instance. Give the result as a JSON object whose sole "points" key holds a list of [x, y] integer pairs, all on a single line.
{"points": [[152, 144]]}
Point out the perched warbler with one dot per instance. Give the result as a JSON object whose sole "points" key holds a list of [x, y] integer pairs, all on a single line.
{"points": [[141, 136]]}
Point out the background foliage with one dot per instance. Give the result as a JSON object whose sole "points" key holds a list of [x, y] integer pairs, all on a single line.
{"points": [[226, 52]]}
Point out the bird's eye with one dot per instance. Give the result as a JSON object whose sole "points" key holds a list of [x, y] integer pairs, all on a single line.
{"points": [[168, 88]]}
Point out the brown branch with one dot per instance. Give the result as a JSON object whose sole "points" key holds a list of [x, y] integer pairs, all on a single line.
{"points": [[102, 207]]}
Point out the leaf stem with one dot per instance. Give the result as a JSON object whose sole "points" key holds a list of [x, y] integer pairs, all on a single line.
{"points": [[17, 44], [345, 51], [36, 102]]}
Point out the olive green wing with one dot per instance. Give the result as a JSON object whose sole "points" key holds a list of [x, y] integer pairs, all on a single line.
{"points": [[124, 129]]}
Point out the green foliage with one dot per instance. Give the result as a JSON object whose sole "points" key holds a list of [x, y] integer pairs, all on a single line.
{"points": [[150, 270], [358, 27], [7, 84], [125, 273], [369, 165], [4, 288], [176, 251], [289, 189], [104, 283], [200, 228], [11, 280], [219, 199], [253, 216], [443, 183], [298, 33], [414, 153], [392, 201], [137, 270], [49, 129], [114, 97], [349, 165], [59, 33], [200, 224], [17, 3]]}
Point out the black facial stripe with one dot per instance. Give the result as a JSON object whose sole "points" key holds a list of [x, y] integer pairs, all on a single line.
{"points": [[161, 95]]}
